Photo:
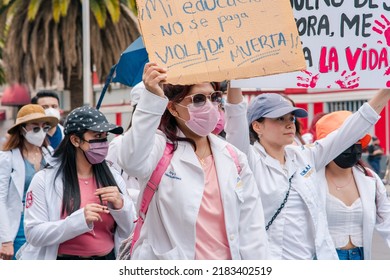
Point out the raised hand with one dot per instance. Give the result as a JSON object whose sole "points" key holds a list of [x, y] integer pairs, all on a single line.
{"points": [[153, 78]]}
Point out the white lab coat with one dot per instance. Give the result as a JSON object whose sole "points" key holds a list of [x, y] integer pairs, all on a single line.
{"points": [[170, 224], [304, 161], [112, 158], [44, 228], [12, 180], [376, 206]]}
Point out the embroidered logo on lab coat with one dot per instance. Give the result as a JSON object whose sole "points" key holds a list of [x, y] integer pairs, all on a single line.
{"points": [[307, 171], [29, 199], [172, 174], [239, 183]]}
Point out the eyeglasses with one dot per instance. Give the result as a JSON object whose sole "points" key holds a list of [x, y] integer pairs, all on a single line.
{"points": [[285, 119], [199, 99], [37, 129]]}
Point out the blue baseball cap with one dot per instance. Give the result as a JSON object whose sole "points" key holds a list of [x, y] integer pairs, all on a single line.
{"points": [[272, 105]]}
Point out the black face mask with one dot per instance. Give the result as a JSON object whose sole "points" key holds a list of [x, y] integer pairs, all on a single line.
{"points": [[350, 156]]}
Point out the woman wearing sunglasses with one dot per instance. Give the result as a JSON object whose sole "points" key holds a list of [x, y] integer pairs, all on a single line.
{"points": [[25, 152], [286, 174], [204, 208], [355, 197], [79, 209]]}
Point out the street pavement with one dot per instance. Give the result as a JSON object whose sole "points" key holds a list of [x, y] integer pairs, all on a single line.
{"points": [[380, 250]]}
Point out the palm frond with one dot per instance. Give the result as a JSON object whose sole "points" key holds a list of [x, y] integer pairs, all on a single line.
{"points": [[131, 5], [64, 5], [43, 48], [113, 8], [99, 11], [33, 8]]}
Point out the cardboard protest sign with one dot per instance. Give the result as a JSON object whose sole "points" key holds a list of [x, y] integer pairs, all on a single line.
{"points": [[215, 40], [346, 44]]}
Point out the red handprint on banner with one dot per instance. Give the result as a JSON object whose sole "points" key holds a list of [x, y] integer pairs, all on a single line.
{"points": [[348, 81], [309, 81], [383, 28]]}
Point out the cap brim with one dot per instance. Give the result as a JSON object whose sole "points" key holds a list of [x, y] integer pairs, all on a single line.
{"points": [[365, 140], [107, 127], [52, 121], [298, 112]]}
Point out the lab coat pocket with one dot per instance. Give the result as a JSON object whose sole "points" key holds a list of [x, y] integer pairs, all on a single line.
{"points": [[147, 252]]}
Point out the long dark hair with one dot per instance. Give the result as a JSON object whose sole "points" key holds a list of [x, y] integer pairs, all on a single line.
{"points": [[168, 124], [66, 155], [364, 168]]}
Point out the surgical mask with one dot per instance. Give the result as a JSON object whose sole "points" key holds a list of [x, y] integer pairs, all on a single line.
{"points": [[220, 124], [349, 157], [53, 113], [34, 137], [98, 149], [203, 119]]}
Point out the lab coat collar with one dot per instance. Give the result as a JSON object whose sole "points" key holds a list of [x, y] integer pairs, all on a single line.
{"points": [[290, 165]]}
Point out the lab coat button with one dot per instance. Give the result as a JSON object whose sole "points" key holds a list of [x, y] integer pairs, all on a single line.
{"points": [[232, 237]]}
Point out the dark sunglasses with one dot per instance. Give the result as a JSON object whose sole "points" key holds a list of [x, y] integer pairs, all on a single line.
{"points": [[199, 99], [37, 129]]}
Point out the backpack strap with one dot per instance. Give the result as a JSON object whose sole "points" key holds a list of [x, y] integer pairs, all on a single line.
{"points": [[234, 155], [150, 189]]}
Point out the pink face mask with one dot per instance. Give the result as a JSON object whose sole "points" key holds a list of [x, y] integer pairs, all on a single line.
{"points": [[221, 123], [98, 149], [203, 119]]}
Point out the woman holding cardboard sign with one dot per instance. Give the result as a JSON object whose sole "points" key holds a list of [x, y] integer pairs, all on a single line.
{"points": [[207, 205], [286, 174]]}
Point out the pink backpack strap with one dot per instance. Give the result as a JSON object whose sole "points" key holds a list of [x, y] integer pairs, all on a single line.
{"points": [[150, 189], [234, 156]]}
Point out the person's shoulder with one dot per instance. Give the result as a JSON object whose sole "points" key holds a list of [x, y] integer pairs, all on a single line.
{"points": [[116, 140]]}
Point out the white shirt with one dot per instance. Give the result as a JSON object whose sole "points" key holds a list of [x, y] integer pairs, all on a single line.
{"points": [[345, 221], [297, 229]]}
